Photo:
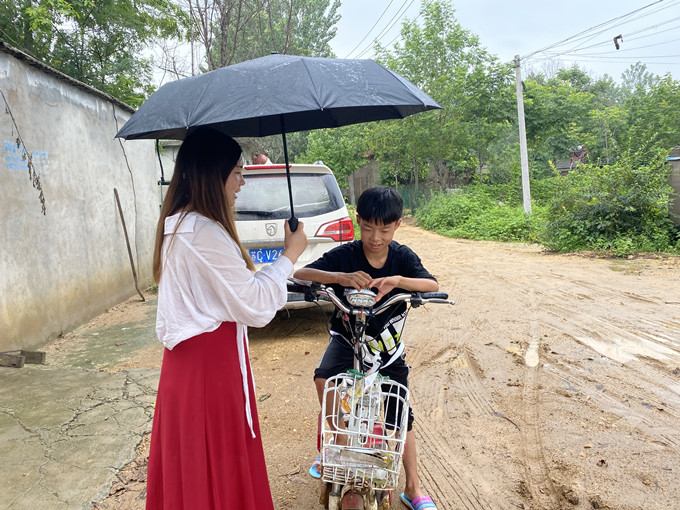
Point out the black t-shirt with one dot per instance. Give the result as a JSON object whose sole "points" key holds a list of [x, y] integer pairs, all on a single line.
{"points": [[349, 258]]}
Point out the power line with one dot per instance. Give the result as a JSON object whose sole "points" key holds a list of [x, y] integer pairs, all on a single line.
{"points": [[656, 25], [399, 14], [605, 60], [589, 37], [585, 35], [596, 27], [427, 4], [633, 33], [414, 19], [371, 30], [626, 39], [388, 27], [628, 57], [631, 49], [580, 53]]}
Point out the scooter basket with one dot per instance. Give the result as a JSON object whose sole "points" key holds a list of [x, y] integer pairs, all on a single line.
{"points": [[365, 444]]}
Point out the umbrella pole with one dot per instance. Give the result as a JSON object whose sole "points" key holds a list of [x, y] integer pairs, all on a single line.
{"points": [[293, 221]]}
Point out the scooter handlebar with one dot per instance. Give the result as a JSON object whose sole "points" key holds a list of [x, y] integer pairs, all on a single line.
{"points": [[312, 291]]}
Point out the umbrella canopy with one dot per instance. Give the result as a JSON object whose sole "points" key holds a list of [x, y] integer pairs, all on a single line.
{"points": [[277, 94]]}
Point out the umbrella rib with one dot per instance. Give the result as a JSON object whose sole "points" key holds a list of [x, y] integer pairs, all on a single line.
{"points": [[200, 98], [309, 76], [405, 87]]}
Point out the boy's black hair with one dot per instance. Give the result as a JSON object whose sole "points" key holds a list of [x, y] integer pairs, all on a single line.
{"points": [[380, 204]]}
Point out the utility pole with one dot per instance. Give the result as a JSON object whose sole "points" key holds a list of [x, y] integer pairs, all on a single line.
{"points": [[526, 190]]}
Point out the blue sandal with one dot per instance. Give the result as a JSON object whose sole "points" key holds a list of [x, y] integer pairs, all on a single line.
{"points": [[314, 471]]}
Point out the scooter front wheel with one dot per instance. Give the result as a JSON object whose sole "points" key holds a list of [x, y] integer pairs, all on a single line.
{"points": [[352, 501]]}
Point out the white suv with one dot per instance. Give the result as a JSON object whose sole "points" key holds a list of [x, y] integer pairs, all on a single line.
{"points": [[263, 205]]}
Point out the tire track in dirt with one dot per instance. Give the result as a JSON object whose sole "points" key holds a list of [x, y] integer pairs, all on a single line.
{"points": [[435, 339], [630, 327], [538, 479], [438, 463], [574, 304], [634, 390], [597, 332], [656, 419], [464, 374], [622, 339], [452, 375], [658, 428], [578, 301]]}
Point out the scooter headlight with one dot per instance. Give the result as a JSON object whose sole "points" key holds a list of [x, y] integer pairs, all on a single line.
{"points": [[363, 298]]}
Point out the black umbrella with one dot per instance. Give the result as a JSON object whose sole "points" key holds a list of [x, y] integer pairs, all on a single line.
{"points": [[277, 94]]}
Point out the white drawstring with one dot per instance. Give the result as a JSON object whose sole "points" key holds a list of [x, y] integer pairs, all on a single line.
{"points": [[242, 343]]}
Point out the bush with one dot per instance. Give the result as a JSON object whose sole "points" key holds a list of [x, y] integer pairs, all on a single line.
{"points": [[478, 213], [622, 208], [501, 223], [445, 212], [619, 209]]}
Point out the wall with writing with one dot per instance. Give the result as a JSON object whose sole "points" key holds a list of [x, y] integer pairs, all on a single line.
{"points": [[65, 258]]}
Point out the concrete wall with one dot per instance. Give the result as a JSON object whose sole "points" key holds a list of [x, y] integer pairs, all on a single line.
{"points": [[61, 268]]}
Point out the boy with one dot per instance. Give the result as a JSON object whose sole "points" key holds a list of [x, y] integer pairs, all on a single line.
{"points": [[376, 261]]}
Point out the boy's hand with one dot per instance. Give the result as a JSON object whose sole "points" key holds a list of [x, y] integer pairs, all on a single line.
{"points": [[359, 280], [384, 285]]}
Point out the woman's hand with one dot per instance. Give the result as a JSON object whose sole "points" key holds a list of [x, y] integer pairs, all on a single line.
{"points": [[294, 243]]}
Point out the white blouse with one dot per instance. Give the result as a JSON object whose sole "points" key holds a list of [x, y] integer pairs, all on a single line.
{"points": [[205, 282]]}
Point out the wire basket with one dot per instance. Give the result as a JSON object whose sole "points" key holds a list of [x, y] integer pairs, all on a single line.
{"points": [[364, 442]]}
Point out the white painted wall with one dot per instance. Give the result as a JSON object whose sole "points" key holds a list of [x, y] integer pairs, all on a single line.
{"points": [[60, 269]]}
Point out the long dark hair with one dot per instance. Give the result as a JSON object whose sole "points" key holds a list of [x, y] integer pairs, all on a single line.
{"points": [[204, 162]]}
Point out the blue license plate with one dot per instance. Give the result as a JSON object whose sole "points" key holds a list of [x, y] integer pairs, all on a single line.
{"points": [[265, 255]]}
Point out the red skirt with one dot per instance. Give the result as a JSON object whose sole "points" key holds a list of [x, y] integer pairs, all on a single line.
{"points": [[203, 456]]}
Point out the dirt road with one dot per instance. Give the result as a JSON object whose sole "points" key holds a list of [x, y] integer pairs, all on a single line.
{"points": [[553, 383]]}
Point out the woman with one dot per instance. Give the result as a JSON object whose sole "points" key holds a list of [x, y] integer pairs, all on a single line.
{"points": [[206, 452]]}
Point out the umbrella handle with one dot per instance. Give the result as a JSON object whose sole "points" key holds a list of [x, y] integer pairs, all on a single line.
{"points": [[293, 223]]}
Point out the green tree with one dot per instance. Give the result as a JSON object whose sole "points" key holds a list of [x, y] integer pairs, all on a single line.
{"points": [[637, 80], [448, 62], [622, 207], [654, 115], [573, 109], [341, 149], [232, 31], [97, 42], [299, 27], [554, 110], [606, 118]]}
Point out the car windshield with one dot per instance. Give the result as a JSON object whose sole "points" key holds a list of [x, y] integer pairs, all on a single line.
{"points": [[265, 196]]}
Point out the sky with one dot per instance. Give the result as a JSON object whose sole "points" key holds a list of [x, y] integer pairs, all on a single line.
{"points": [[523, 27]]}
